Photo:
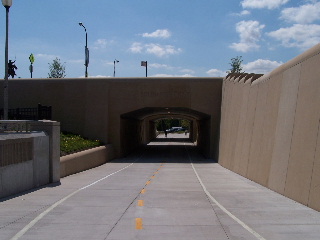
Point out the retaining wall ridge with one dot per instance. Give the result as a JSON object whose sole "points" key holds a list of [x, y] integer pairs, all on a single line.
{"points": [[242, 77]]}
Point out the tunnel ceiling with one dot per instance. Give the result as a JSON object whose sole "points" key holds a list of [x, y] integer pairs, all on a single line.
{"points": [[143, 113]]}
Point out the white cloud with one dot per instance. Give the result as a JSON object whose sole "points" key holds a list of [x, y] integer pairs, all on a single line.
{"points": [[299, 35], [270, 4], [160, 33], [100, 76], [250, 34], [136, 47], [304, 14], [171, 75], [155, 49], [96, 76], [46, 56], [216, 73], [190, 71], [162, 51], [158, 65], [245, 12], [100, 44], [242, 13], [261, 66]]}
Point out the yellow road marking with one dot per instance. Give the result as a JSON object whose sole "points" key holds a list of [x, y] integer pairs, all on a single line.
{"points": [[139, 223], [143, 191], [147, 183], [152, 177], [140, 203]]}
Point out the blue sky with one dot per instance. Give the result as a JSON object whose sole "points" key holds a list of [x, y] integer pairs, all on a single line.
{"points": [[177, 38]]}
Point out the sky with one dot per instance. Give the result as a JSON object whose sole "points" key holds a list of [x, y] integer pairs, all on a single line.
{"points": [[178, 38]]}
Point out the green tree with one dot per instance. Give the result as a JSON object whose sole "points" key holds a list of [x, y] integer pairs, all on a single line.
{"points": [[185, 123], [236, 65], [56, 69]]}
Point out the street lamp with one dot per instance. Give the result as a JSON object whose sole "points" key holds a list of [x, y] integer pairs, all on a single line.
{"points": [[114, 67], [86, 63], [7, 4]]}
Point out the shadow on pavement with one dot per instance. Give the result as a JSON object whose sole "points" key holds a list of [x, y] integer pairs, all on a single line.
{"points": [[50, 185], [168, 150]]}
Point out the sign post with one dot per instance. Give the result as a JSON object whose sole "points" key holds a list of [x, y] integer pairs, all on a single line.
{"points": [[145, 64], [31, 58]]}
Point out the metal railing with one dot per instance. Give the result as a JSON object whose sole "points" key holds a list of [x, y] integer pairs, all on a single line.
{"points": [[38, 113], [14, 126]]}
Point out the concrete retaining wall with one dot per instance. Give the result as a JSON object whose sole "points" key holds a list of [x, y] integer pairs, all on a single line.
{"points": [[81, 161], [29, 163], [270, 128]]}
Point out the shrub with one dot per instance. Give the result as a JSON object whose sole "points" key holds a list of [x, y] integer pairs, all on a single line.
{"points": [[72, 143]]}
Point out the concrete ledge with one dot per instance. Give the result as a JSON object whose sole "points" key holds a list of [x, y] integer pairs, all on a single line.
{"points": [[81, 161]]}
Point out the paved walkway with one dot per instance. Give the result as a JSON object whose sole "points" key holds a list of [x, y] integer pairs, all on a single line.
{"points": [[164, 192]]}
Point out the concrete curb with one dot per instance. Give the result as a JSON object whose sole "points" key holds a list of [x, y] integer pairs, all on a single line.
{"points": [[84, 160]]}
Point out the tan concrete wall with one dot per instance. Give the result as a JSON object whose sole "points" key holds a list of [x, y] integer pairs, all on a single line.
{"points": [[84, 160], [93, 107], [270, 128]]}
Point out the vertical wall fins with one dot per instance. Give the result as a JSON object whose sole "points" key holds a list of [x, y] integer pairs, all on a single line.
{"points": [[270, 130]]}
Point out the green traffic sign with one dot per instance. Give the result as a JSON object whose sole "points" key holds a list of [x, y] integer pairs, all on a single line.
{"points": [[31, 58]]}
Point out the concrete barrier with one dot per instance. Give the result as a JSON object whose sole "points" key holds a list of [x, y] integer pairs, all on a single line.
{"points": [[24, 162], [29, 155], [84, 160]]}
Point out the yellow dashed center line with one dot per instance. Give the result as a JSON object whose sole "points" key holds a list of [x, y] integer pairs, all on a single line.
{"points": [[140, 203], [139, 223]]}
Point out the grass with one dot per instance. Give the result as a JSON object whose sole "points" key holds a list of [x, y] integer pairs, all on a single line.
{"points": [[72, 143]]}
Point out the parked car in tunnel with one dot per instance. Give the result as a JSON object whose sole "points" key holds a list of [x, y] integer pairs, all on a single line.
{"points": [[175, 129]]}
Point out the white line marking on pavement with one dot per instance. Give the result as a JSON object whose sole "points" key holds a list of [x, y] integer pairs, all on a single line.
{"points": [[245, 226], [40, 216]]}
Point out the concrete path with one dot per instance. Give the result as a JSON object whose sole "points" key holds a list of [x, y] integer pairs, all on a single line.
{"points": [[164, 192]]}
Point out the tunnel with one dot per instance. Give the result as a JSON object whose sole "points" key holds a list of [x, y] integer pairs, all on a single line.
{"points": [[138, 127]]}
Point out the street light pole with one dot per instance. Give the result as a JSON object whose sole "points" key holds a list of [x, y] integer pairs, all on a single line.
{"points": [[7, 4], [86, 50], [114, 67]]}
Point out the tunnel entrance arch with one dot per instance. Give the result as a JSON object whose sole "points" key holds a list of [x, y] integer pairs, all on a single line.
{"points": [[138, 127]]}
